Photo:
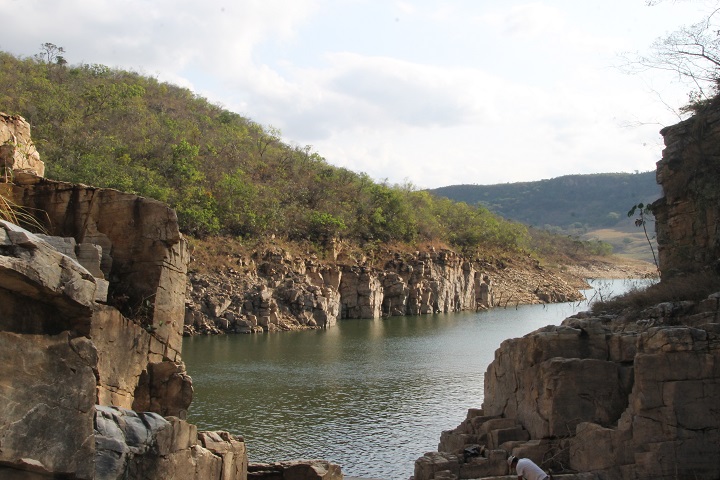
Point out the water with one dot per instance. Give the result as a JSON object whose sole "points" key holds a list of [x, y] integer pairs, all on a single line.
{"points": [[370, 395]]}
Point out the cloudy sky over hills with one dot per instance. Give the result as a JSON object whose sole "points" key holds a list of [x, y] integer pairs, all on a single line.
{"points": [[432, 92]]}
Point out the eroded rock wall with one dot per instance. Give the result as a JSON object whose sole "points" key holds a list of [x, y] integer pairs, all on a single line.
{"points": [[273, 290], [614, 397], [688, 214], [17, 151], [91, 326], [602, 396], [64, 358]]}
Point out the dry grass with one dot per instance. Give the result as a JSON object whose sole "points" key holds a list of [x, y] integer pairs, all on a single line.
{"points": [[221, 252], [692, 287], [626, 242], [17, 214]]}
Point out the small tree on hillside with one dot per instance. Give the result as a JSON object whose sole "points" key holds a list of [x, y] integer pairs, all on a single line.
{"points": [[51, 54], [644, 212]]}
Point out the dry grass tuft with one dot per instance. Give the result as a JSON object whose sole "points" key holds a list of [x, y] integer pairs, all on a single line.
{"points": [[19, 215], [691, 287]]}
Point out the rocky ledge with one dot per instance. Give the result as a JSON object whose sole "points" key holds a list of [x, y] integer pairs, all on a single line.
{"points": [[93, 385], [602, 395], [617, 396], [271, 290]]}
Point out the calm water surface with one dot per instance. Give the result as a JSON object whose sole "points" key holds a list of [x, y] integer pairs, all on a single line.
{"points": [[370, 395]]}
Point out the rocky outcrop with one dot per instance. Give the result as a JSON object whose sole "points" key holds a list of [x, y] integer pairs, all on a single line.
{"points": [[17, 151], [614, 396], [601, 395], [273, 290], [73, 361], [147, 445], [688, 213], [48, 399], [140, 234], [31, 269], [69, 365], [299, 469]]}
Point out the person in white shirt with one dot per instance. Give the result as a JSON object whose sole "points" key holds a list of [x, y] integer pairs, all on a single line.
{"points": [[526, 469]]}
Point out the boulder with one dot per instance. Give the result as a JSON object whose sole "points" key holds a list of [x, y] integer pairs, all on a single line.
{"points": [[164, 388], [146, 445], [295, 470], [17, 151], [42, 290]]}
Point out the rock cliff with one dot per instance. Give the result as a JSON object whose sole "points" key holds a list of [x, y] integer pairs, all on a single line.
{"points": [[93, 385], [91, 378], [687, 215], [615, 396], [272, 290]]}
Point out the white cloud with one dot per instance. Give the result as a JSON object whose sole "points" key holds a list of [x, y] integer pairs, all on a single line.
{"points": [[448, 92], [526, 21]]}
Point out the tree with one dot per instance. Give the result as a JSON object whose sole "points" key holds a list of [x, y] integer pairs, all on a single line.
{"points": [[644, 212], [51, 53], [692, 52]]}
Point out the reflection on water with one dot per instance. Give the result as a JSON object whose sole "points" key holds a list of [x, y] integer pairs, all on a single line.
{"points": [[371, 395]]}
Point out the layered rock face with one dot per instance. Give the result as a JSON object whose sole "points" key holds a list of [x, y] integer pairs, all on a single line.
{"points": [[609, 396], [90, 332], [17, 151], [63, 356], [273, 290], [600, 395], [688, 214]]}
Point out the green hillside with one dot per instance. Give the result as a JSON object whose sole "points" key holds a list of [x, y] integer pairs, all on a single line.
{"points": [[569, 202], [588, 206], [224, 173]]}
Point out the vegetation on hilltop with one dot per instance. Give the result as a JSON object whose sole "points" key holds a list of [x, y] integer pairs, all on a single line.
{"points": [[571, 203], [226, 174]]}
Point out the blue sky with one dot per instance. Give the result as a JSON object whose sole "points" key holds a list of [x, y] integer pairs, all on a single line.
{"points": [[431, 92]]}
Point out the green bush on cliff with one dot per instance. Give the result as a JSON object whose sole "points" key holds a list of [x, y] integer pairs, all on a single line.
{"points": [[222, 172]]}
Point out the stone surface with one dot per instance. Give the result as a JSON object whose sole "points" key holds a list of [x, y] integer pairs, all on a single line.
{"points": [[42, 290], [68, 364], [580, 388], [146, 445], [274, 291], [17, 151], [47, 387], [688, 214], [295, 470], [164, 388], [124, 351], [149, 256]]}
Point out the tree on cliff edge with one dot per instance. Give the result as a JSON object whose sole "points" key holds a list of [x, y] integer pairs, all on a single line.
{"points": [[692, 52]]}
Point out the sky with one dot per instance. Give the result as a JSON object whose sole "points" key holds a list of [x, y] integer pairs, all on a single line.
{"points": [[433, 93]]}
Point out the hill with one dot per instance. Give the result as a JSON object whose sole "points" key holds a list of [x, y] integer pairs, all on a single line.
{"points": [[227, 175], [570, 202], [585, 206]]}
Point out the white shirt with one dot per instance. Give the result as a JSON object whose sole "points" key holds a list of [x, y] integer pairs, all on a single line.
{"points": [[527, 468]]}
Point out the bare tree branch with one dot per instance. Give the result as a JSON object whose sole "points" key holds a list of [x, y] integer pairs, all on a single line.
{"points": [[691, 52]]}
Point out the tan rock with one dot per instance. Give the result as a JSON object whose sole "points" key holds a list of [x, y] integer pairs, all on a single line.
{"points": [[164, 388], [17, 151], [149, 256], [688, 214], [42, 290], [47, 388]]}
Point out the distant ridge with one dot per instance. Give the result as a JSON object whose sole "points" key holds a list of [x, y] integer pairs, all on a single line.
{"points": [[567, 203]]}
